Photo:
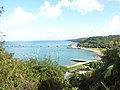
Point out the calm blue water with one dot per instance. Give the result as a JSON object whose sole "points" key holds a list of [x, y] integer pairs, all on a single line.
{"points": [[41, 49]]}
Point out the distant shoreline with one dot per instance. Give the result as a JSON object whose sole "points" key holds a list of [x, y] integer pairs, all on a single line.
{"points": [[97, 52], [74, 46]]}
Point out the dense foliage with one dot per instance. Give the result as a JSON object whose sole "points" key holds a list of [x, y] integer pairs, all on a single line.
{"points": [[99, 41], [30, 74], [106, 77]]}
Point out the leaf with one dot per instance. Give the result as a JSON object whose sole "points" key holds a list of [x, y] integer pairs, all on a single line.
{"points": [[105, 86], [109, 71], [11, 72]]}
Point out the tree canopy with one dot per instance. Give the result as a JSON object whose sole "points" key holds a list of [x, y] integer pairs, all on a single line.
{"points": [[99, 41]]}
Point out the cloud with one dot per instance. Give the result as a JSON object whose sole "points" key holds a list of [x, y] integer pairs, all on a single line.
{"points": [[112, 28], [24, 34], [49, 11], [19, 17], [53, 33], [114, 0], [65, 3], [114, 23], [85, 6]]}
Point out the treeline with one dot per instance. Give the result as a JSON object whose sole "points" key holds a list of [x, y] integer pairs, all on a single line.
{"points": [[99, 41]]}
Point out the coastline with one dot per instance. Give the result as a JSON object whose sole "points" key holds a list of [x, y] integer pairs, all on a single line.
{"points": [[98, 53], [74, 46]]}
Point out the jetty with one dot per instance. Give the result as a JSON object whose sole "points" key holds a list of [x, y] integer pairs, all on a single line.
{"points": [[82, 60], [79, 62]]}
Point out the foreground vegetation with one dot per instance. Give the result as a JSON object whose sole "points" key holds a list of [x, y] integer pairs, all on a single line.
{"points": [[16, 74], [105, 75], [30, 75]]}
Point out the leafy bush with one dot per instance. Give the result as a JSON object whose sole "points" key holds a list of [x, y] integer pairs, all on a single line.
{"points": [[29, 74], [104, 77]]}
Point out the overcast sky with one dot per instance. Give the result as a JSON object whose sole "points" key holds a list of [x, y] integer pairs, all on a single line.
{"points": [[59, 19]]}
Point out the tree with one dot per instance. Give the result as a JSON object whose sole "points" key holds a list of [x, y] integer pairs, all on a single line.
{"points": [[1, 10], [1, 33], [111, 56]]}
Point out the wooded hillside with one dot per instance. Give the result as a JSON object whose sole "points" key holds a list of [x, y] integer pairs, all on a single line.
{"points": [[99, 41]]}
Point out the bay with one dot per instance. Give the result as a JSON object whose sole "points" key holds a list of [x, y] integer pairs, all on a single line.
{"points": [[56, 50]]}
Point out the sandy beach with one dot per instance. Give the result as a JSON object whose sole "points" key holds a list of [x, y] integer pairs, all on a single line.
{"points": [[74, 46], [97, 52]]}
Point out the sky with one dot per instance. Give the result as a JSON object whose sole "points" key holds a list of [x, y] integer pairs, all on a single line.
{"points": [[28, 20]]}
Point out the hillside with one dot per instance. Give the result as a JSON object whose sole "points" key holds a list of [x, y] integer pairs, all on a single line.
{"points": [[98, 41]]}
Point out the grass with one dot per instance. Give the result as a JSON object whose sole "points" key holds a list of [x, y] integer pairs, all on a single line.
{"points": [[76, 67], [99, 49]]}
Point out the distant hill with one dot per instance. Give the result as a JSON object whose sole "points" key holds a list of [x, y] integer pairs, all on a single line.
{"points": [[98, 41]]}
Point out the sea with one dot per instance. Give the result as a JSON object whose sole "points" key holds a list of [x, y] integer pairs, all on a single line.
{"points": [[54, 50]]}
